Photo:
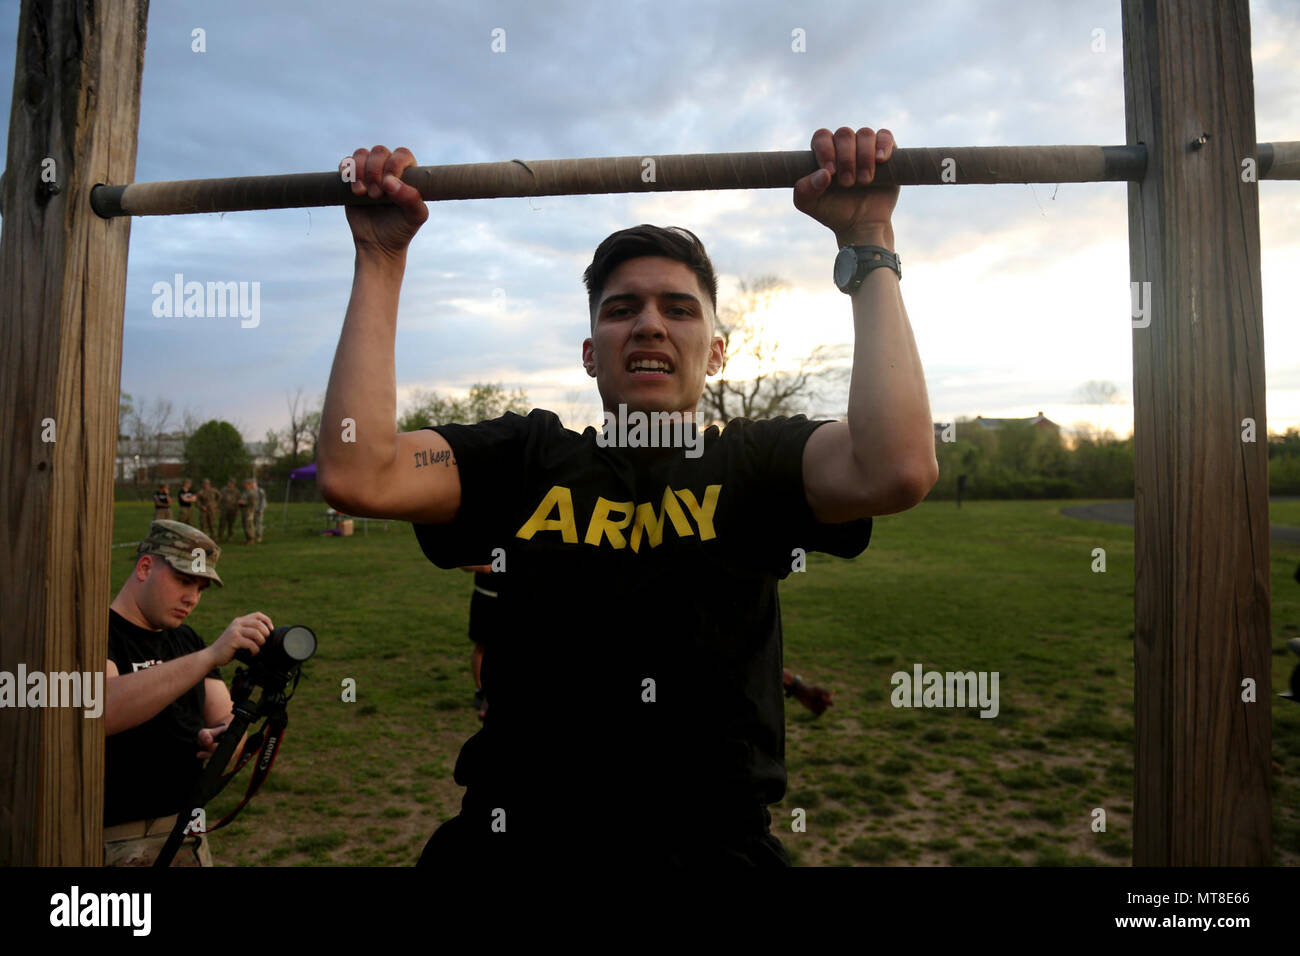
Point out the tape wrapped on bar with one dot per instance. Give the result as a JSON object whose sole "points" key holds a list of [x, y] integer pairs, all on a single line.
{"points": [[915, 166]]}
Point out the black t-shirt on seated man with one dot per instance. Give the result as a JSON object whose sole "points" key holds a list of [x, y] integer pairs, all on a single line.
{"points": [[151, 769], [636, 676]]}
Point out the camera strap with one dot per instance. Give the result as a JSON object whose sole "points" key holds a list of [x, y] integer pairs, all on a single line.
{"points": [[265, 744]]}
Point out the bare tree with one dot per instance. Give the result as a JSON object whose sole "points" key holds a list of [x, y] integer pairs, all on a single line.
{"points": [[578, 409], [300, 429], [125, 409], [311, 426], [148, 426], [773, 388], [1095, 393], [189, 424]]}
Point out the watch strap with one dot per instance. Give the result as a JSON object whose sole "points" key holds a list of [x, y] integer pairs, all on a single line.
{"points": [[876, 257]]}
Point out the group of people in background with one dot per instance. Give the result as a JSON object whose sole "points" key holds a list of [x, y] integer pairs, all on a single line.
{"points": [[216, 508]]}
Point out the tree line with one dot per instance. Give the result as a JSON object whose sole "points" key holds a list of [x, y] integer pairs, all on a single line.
{"points": [[215, 449], [1020, 460], [758, 381]]}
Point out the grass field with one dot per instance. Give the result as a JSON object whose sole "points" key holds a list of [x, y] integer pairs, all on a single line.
{"points": [[1284, 512], [996, 586]]}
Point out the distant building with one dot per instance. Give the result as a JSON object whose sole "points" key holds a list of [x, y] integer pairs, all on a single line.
{"points": [[1038, 421], [993, 424], [163, 458], [257, 453]]}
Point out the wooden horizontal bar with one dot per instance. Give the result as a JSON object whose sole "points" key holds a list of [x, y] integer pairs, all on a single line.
{"points": [[1279, 160], [626, 174], [918, 166]]}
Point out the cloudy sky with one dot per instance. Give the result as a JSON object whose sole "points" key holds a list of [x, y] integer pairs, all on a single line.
{"points": [[1017, 294]]}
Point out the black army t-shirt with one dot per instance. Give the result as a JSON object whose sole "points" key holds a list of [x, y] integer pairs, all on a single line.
{"points": [[637, 664], [151, 769], [483, 604]]}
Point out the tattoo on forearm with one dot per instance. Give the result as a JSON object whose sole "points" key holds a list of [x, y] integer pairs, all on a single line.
{"points": [[428, 457]]}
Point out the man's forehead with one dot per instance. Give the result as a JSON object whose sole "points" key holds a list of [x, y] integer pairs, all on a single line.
{"points": [[187, 579], [652, 276], [624, 293]]}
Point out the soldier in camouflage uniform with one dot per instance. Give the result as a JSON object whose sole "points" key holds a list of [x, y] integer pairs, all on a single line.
{"points": [[259, 509], [209, 498], [229, 505], [162, 503], [247, 502], [186, 502]]}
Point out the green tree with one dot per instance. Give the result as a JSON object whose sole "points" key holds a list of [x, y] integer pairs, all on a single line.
{"points": [[272, 444], [216, 450], [1279, 446], [1048, 457], [484, 402], [1015, 443], [1284, 463], [1103, 468]]}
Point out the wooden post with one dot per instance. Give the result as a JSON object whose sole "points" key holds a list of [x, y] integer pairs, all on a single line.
{"points": [[1201, 795], [63, 270]]}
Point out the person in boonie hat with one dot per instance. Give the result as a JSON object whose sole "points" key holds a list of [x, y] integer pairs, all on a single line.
{"points": [[166, 704]]}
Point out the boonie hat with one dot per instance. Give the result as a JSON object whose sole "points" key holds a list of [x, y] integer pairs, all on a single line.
{"points": [[175, 541]]}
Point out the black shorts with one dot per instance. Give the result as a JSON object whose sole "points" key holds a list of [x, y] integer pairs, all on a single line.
{"points": [[467, 841]]}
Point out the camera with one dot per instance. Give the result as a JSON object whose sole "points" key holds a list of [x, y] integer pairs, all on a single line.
{"points": [[277, 662], [278, 659]]}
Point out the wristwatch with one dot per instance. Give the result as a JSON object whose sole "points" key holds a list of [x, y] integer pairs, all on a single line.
{"points": [[854, 262]]}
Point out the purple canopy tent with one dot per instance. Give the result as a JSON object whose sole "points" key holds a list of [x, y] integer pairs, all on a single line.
{"points": [[309, 472], [306, 471]]}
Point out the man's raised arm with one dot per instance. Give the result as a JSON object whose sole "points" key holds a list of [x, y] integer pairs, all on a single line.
{"points": [[365, 466], [882, 459]]}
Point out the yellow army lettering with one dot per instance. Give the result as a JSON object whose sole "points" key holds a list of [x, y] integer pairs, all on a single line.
{"points": [[610, 518]]}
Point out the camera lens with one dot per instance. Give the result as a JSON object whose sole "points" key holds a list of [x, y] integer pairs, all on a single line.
{"points": [[286, 647], [298, 643]]}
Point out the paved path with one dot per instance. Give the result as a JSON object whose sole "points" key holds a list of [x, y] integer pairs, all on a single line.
{"points": [[1121, 512]]}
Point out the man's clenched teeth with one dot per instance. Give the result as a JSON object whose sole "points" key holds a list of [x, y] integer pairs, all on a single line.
{"points": [[649, 365]]}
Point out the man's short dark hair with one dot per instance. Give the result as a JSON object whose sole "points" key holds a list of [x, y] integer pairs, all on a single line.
{"points": [[672, 242]]}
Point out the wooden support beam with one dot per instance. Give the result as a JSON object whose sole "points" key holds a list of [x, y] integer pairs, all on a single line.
{"points": [[1201, 609], [75, 110]]}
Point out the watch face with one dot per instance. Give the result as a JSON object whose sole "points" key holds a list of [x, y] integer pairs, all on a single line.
{"points": [[846, 264]]}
